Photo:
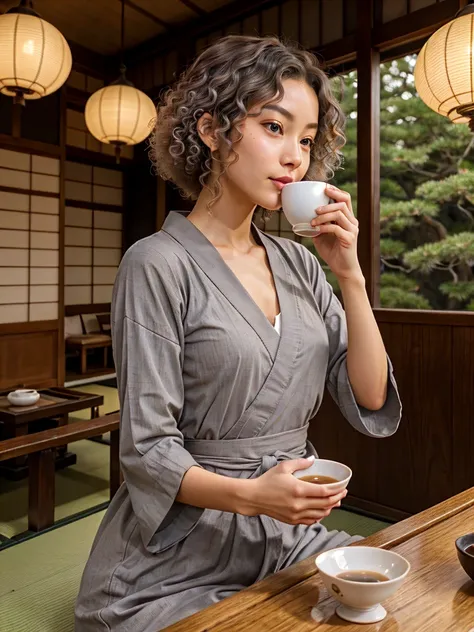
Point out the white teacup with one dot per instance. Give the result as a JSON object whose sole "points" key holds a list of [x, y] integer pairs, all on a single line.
{"points": [[299, 203], [360, 601], [325, 467]]}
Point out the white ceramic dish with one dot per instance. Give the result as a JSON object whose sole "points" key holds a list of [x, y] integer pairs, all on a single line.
{"points": [[299, 203], [360, 602], [324, 467], [23, 397]]}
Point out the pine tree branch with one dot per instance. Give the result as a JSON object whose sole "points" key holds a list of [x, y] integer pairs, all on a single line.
{"points": [[470, 145], [438, 226], [465, 212], [394, 266], [422, 172]]}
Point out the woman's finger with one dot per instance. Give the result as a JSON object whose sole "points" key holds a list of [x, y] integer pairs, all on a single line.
{"points": [[339, 217], [339, 196], [345, 237], [337, 206]]}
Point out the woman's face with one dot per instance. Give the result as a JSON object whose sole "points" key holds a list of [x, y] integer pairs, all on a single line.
{"points": [[275, 144]]}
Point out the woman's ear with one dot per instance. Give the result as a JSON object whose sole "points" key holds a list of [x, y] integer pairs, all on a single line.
{"points": [[205, 128]]}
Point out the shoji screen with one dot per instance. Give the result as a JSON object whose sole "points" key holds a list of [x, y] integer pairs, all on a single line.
{"points": [[93, 233], [29, 237]]}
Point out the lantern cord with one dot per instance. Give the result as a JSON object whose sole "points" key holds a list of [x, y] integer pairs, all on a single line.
{"points": [[122, 39]]}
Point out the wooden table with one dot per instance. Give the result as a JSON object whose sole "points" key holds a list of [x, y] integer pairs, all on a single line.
{"points": [[437, 596], [50, 411]]}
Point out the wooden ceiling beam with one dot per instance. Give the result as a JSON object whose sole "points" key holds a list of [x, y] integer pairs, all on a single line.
{"points": [[197, 28], [414, 26], [151, 16], [194, 7]]}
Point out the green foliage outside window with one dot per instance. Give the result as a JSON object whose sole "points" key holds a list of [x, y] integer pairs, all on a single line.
{"points": [[427, 195]]}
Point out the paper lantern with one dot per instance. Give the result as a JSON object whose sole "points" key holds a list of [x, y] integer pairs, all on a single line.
{"points": [[35, 59], [444, 71], [120, 114]]}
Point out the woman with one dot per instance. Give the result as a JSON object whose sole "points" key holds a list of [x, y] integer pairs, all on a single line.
{"points": [[224, 340]]}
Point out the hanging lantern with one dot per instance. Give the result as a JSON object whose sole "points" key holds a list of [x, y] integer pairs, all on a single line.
{"points": [[120, 114], [35, 59], [444, 73]]}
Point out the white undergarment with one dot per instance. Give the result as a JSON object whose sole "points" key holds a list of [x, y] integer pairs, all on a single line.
{"points": [[277, 324]]}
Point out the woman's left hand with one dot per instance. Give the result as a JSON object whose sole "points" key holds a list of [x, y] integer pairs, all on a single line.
{"points": [[336, 243]]}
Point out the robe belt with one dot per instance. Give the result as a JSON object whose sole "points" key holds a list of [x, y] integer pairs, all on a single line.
{"points": [[250, 453]]}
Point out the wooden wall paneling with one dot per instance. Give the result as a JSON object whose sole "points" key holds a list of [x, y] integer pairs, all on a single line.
{"points": [[332, 21], [393, 9], [290, 28], [463, 407], [436, 395], [349, 17], [270, 21], [368, 150], [250, 25], [29, 358], [310, 23]]}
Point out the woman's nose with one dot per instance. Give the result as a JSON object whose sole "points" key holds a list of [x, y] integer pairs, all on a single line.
{"points": [[292, 156]]}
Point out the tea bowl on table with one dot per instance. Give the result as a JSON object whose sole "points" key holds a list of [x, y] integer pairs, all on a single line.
{"points": [[375, 575], [465, 550], [23, 397], [321, 469]]}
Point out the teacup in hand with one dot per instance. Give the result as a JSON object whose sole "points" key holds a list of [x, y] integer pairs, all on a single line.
{"points": [[300, 201], [333, 475]]}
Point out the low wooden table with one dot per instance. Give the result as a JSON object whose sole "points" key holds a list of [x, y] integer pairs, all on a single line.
{"points": [[51, 410], [437, 595]]}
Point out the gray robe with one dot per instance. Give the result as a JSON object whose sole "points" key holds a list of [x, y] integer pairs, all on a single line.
{"points": [[204, 379]]}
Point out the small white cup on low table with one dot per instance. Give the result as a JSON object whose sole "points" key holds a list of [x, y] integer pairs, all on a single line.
{"points": [[325, 467], [360, 601], [299, 203]]}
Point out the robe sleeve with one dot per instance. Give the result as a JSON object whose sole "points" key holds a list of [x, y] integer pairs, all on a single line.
{"points": [[379, 423], [147, 337]]}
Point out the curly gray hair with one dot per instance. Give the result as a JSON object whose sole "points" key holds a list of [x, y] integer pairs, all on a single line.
{"points": [[226, 80]]}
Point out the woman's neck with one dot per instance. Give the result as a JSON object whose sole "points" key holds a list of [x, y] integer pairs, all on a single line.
{"points": [[227, 223]]}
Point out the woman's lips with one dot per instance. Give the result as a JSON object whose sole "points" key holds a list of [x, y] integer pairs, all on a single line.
{"points": [[279, 185]]}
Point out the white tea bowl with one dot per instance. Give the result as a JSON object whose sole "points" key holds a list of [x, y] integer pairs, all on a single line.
{"points": [[23, 397], [360, 601], [299, 203], [324, 467]]}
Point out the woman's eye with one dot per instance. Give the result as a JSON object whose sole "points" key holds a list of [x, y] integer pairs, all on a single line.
{"points": [[274, 127], [308, 142]]}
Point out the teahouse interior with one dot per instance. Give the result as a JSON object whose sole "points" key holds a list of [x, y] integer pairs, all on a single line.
{"points": [[69, 209]]}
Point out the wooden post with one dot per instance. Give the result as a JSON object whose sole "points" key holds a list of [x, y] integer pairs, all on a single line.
{"points": [[368, 150], [41, 490]]}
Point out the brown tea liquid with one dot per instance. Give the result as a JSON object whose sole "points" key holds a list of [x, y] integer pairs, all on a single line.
{"points": [[367, 577], [318, 479]]}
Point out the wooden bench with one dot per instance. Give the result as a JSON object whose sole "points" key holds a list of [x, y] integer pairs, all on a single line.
{"points": [[41, 447]]}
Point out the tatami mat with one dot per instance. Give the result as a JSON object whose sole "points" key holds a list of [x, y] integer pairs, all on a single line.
{"points": [[40, 578]]}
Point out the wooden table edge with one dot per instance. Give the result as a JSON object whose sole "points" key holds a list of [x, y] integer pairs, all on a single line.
{"points": [[219, 613]]}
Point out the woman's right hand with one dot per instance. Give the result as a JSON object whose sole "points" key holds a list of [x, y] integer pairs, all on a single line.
{"points": [[280, 495]]}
